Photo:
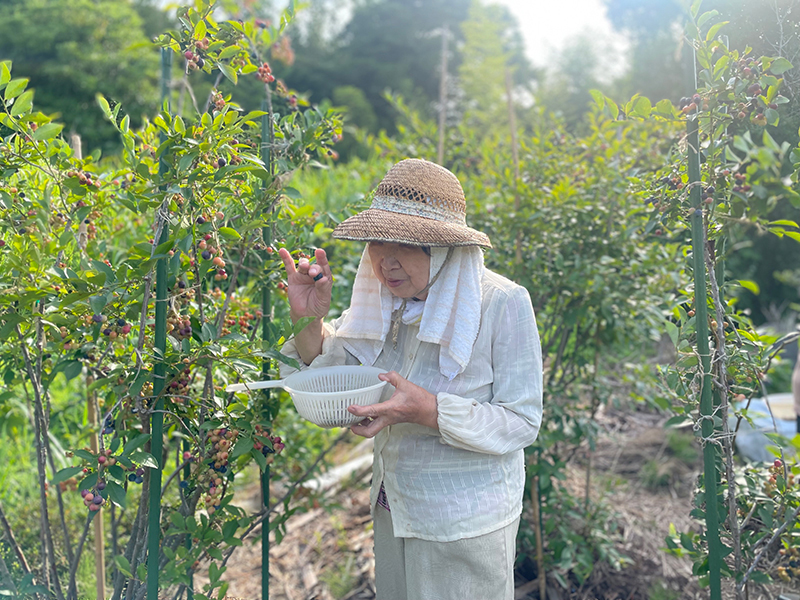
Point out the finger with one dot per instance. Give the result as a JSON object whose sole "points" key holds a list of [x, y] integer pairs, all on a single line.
{"points": [[303, 266], [372, 411], [369, 428], [288, 261], [393, 377], [322, 261]]}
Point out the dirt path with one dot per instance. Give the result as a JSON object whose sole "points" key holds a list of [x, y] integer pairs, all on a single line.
{"points": [[644, 474]]}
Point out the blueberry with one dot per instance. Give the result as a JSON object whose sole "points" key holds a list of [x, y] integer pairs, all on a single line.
{"points": [[121, 322], [200, 220], [182, 284], [140, 471], [97, 318], [184, 484], [106, 331], [101, 485], [139, 479], [98, 500], [131, 477], [206, 255]]}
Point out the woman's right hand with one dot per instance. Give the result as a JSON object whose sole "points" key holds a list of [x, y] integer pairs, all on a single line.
{"points": [[307, 297]]}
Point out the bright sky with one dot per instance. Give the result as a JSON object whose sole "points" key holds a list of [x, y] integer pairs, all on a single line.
{"points": [[549, 24]]}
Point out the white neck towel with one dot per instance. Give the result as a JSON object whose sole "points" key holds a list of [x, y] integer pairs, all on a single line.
{"points": [[450, 315]]}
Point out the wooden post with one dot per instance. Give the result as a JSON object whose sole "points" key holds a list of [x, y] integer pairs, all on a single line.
{"points": [[442, 95], [99, 537], [512, 123]]}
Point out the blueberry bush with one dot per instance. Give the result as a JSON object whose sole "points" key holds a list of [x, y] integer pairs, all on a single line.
{"points": [[178, 234]]}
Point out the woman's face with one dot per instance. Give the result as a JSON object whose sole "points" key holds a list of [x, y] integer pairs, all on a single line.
{"points": [[403, 269]]}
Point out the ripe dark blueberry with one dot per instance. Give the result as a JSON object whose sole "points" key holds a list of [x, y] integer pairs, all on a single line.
{"points": [[221, 162], [97, 318], [121, 322], [139, 479], [131, 477], [140, 471], [23, 231], [106, 331], [182, 284], [200, 62], [101, 485], [184, 484], [206, 255], [200, 220], [87, 221], [98, 500], [21, 194]]}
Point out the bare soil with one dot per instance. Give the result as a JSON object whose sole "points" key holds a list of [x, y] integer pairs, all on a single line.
{"points": [[328, 555]]}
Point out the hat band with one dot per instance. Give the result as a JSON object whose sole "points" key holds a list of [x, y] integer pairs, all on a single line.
{"points": [[417, 209]]}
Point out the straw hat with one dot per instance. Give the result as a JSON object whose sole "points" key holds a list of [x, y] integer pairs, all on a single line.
{"points": [[418, 203]]}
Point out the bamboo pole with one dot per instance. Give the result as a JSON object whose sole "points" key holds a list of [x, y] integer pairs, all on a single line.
{"points": [[442, 96], [701, 312], [159, 372]]}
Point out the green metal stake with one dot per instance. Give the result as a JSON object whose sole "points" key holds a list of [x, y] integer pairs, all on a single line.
{"points": [[701, 320], [159, 373], [266, 319]]}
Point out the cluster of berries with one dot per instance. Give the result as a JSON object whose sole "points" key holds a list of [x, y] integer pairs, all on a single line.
{"points": [[84, 178], [792, 569], [179, 386], [194, 60], [265, 74], [776, 470], [92, 499], [108, 424], [275, 445], [180, 326], [740, 186], [239, 314], [690, 104], [217, 100], [137, 476]]}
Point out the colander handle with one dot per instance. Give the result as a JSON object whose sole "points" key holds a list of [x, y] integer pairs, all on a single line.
{"points": [[255, 385]]}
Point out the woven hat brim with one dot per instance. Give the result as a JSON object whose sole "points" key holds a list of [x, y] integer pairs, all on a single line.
{"points": [[376, 225]]}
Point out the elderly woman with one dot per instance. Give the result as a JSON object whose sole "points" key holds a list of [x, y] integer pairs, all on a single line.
{"points": [[462, 354]]}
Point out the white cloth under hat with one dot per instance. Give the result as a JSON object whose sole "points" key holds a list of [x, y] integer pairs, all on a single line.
{"points": [[450, 315]]}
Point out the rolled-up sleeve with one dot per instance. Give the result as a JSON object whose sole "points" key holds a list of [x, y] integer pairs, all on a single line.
{"points": [[511, 419]]}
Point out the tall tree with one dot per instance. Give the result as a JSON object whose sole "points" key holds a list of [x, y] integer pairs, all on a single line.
{"points": [[73, 49]]}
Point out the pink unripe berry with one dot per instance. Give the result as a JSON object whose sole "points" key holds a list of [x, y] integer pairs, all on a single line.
{"points": [[187, 455], [88, 497], [101, 459]]}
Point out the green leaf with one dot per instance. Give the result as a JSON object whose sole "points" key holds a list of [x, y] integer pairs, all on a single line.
{"points": [[22, 104], [116, 493], [773, 117], [750, 285], [715, 29], [72, 369], [123, 565], [104, 106], [229, 72], [65, 474], [229, 51], [780, 65], [134, 443], [229, 233], [145, 459], [15, 87], [243, 446], [301, 324], [48, 131], [208, 332], [5, 72]]}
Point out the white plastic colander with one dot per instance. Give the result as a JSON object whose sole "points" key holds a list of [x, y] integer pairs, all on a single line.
{"points": [[323, 395]]}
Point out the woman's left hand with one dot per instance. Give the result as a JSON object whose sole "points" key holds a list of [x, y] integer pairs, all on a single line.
{"points": [[409, 404]]}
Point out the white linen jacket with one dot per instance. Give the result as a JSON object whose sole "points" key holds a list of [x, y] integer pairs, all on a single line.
{"points": [[467, 478]]}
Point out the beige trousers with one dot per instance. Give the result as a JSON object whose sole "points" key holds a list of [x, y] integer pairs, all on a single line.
{"points": [[479, 568]]}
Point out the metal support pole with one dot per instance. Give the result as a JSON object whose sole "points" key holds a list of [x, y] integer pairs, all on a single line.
{"points": [[159, 373], [266, 320], [701, 320]]}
